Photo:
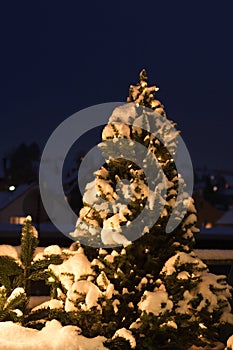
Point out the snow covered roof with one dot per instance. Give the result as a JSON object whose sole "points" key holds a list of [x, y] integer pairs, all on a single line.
{"points": [[47, 227], [7, 197]]}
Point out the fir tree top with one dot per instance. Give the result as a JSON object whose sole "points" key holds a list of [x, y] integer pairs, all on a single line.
{"points": [[142, 94]]}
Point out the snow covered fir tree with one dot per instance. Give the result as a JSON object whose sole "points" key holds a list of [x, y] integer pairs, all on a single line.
{"points": [[133, 284]]}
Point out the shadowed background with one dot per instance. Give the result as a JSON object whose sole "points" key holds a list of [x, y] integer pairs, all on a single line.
{"points": [[59, 57]]}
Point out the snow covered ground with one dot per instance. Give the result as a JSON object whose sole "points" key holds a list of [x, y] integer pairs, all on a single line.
{"points": [[52, 337]]}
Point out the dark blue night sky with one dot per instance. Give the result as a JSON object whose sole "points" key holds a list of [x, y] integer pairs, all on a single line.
{"points": [[59, 57]]}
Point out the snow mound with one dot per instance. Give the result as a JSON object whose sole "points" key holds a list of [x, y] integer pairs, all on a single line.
{"points": [[8, 250], [155, 302], [52, 337], [125, 333], [229, 343]]}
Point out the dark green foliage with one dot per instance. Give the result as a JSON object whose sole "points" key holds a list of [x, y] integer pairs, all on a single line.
{"points": [[11, 273], [6, 312], [118, 343], [156, 334]]}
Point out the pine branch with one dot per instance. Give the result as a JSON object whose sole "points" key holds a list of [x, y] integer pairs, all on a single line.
{"points": [[18, 301], [44, 263], [118, 343], [11, 273], [9, 266], [29, 242], [10, 304]]}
